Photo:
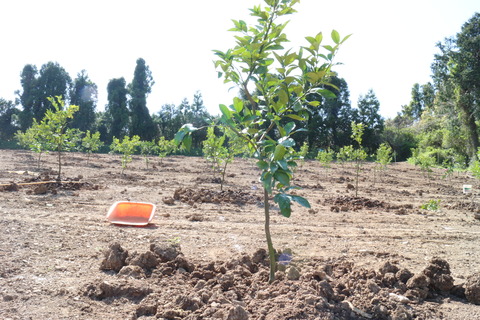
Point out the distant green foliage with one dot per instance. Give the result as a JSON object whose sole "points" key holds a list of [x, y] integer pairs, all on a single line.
{"points": [[359, 154], [141, 122], [302, 153], [165, 147], [51, 133], [345, 154], [126, 147], [384, 155], [147, 148], [213, 150], [325, 157], [91, 143], [431, 205], [219, 155], [423, 159]]}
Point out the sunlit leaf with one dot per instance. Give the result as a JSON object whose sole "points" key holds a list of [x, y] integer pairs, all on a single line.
{"points": [[225, 111], [295, 117], [238, 104], [335, 36], [279, 153]]}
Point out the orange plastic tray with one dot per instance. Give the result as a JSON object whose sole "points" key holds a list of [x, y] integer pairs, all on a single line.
{"points": [[131, 213]]}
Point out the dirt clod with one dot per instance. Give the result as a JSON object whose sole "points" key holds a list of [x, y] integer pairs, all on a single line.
{"points": [[472, 288], [115, 258]]}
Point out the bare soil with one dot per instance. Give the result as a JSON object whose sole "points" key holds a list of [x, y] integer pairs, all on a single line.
{"points": [[372, 256]]}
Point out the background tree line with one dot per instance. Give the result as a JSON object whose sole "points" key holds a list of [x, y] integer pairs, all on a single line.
{"points": [[441, 119]]}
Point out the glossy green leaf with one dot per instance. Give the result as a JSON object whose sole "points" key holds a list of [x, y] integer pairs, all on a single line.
{"points": [[266, 179], [301, 201], [225, 111], [282, 177], [179, 136], [284, 203], [327, 93], [279, 153], [346, 38], [289, 127], [238, 104], [295, 117], [286, 142], [283, 164], [189, 128], [187, 142]]}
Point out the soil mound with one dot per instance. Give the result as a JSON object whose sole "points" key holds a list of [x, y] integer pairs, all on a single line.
{"points": [[192, 196], [239, 288]]}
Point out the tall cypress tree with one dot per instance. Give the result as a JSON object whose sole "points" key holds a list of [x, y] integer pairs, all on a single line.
{"points": [[28, 79], [116, 112], [368, 114], [84, 95], [53, 80], [141, 122]]}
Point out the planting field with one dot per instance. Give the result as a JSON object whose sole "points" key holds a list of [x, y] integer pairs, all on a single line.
{"points": [[375, 256]]}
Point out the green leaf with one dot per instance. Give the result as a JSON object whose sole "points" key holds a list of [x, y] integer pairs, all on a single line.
{"points": [[295, 117], [225, 111], [189, 128], [187, 142], [266, 179], [283, 201], [282, 177], [301, 201], [263, 165], [283, 97], [314, 103], [279, 153], [289, 127], [179, 136], [238, 104], [326, 93], [335, 36], [286, 142], [283, 164], [344, 39]]}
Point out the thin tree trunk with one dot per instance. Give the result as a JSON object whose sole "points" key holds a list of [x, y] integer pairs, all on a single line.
{"points": [[271, 250], [59, 163], [465, 105]]}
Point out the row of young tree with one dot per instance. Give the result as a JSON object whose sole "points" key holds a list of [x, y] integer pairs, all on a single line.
{"points": [[126, 113], [441, 120]]}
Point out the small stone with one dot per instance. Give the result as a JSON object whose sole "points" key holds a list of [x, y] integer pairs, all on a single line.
{"points": [[237, 313], [372, 286], [293, 273], [41, 189], [115, 258], [169, 201]]}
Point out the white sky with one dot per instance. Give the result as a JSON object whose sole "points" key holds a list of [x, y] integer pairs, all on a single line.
{"points": [[391, 48]]}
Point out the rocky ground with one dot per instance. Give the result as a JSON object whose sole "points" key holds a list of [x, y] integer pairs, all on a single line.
{"points": [[374, 255]]}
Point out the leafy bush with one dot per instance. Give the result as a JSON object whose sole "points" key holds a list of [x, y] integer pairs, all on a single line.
{"points": [[431, 205], [165, 147], [126, 147]]}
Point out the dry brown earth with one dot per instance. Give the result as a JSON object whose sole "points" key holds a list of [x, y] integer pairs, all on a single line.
{"points": [[376, 256]]}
